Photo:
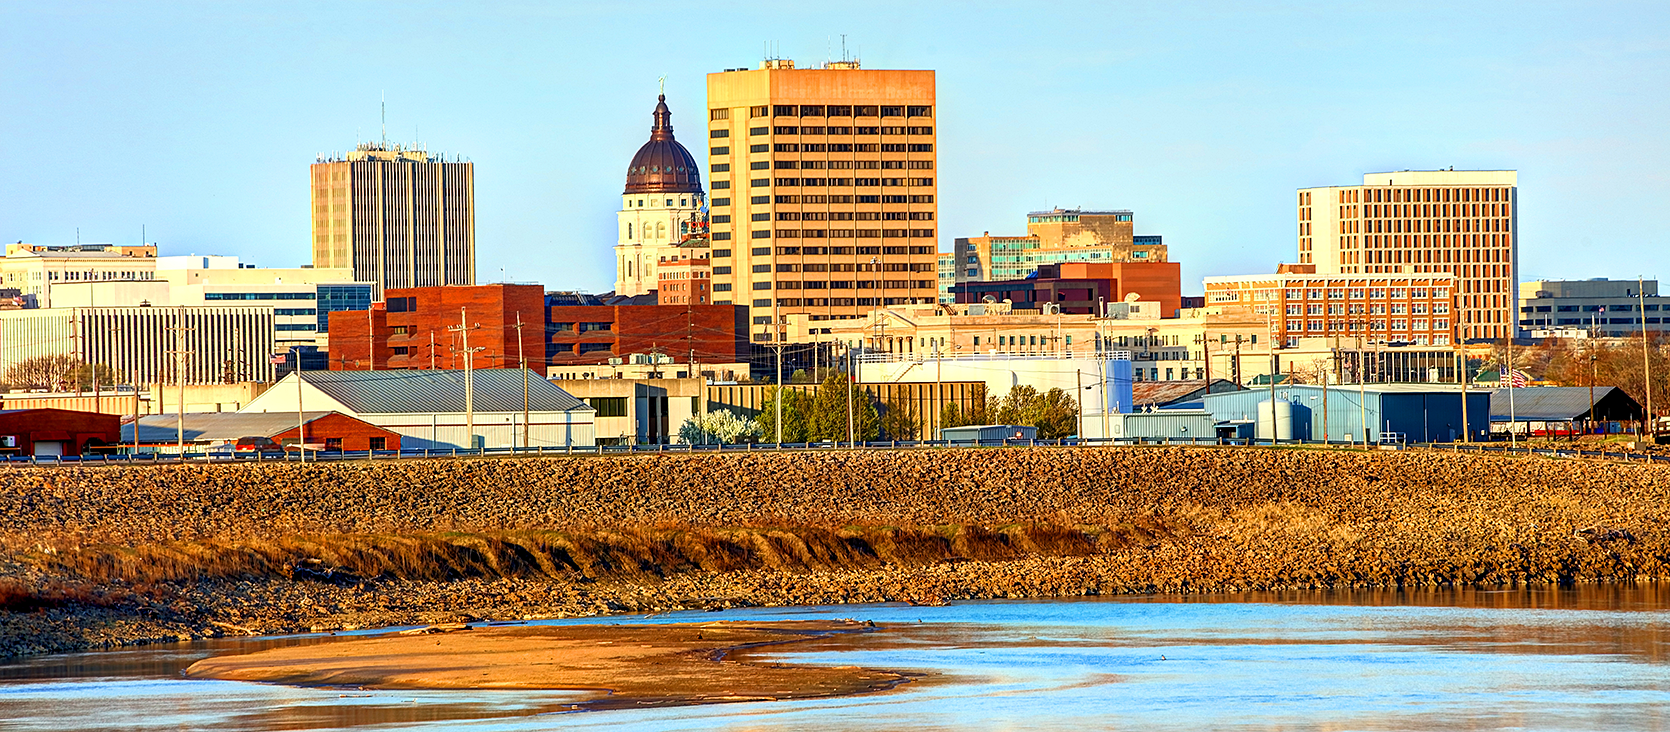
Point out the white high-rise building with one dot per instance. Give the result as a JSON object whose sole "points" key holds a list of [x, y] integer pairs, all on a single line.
{"points": [[663, 196]]}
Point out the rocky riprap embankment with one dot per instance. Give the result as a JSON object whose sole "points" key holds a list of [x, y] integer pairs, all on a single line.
{"points": [[150, 553]]}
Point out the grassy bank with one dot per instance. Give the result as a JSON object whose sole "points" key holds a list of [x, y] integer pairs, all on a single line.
{"points": [[101, 555]]}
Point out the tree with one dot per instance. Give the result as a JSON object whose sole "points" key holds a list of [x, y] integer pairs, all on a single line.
{"points": [[899, 421], [721, 426], [800, 377], [1054, 412], [58, 373], [796, 404]]}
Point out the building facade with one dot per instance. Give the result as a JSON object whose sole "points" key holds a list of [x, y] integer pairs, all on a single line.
{"points": [[420, 328], [823, 191], [947, 277], [662, 201], [148, 345], [34, 270], [395, 216], [1384, 308], [1054, 237], [1084, 288], [685, 277], [301, 297], [1458, 223], [1597, 308], [601, 334]]}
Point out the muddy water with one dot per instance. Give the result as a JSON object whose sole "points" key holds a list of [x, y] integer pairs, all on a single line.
{"points": [[1588, 658]]}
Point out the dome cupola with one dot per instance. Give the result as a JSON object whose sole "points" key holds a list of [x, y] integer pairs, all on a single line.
{"points": [[662, 165]]}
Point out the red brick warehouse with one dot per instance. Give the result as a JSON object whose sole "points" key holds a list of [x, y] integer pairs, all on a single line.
{"points": [[417, 328]]}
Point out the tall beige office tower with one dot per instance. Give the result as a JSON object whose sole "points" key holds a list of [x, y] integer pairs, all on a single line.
{"points": [[398, 217], [822, 191], [1459, 222]]}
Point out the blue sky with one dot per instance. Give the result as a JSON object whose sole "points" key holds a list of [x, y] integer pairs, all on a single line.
{"points": [[198, 120]]}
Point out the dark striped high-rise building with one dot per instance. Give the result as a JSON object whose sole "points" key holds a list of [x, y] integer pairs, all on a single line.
{"points": [[398, 217]]}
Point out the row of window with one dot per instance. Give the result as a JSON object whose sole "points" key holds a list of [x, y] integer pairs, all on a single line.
{"points": [[581, 327], [827, 302], [1414, 195], [844, 267], [1586, 321], [804, 130], [1615, 307], [1419, 308], [848, 285], [829, 110], [852, 216], [822, 251], [854, 164], [851, 182], [850, 234], [1322, 325], [259, 296]]}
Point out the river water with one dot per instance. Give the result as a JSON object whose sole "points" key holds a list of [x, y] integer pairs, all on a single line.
{"points": [[1588, 658]]}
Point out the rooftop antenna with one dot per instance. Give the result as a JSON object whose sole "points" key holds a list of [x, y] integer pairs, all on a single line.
{"points": [[385, 107], [844, 47]]}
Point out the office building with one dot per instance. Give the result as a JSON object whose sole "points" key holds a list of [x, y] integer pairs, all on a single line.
{"points": [[1428, 222], [1084, 288], [419, 328], [662, 204], [144, 345], [823, 191], [395, 216], [947, 268], [1054, 237], [1597, 308], [34, 270], [585, 334], [1299, 302], [301, 297], [685, 277]]}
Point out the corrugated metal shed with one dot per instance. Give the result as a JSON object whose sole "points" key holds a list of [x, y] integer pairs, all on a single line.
{"points": [[1563, 404], [438, 391], [215, 426], [1163, 393]]}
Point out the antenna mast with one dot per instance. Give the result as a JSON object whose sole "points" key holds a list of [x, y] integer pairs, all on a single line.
{"points": [[385, 109]]}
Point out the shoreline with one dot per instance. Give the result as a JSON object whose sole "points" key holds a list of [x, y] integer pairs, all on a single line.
{"points": [[103, 557]]}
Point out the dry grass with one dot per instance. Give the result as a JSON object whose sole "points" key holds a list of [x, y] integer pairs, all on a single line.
{"points": [[577, 556]]}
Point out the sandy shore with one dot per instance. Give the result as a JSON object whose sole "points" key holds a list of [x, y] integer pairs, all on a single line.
{"points": [[621, 665]]}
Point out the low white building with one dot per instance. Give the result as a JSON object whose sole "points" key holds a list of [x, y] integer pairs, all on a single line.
{"points": [[427, 407]]}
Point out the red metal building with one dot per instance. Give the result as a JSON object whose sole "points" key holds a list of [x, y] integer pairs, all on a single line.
{"points": [[56, 431], [418, 328]]}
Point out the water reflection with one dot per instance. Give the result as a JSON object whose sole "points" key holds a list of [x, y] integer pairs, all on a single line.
{"points": [[1578, 658]]}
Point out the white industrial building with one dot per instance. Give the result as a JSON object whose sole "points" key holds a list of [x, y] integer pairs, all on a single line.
{"points": [[427, 408]]}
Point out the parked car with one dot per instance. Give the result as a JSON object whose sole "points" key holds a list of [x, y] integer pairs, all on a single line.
{"points": [[256, 444]]}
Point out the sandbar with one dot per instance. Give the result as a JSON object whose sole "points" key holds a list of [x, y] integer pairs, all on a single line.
{"points": [[624, 665]]}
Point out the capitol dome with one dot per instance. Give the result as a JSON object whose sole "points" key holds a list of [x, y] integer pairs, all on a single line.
{"points": [[662, 165]]}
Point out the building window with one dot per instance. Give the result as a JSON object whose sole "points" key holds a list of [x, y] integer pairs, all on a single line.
{"points": [[378, 443], [609, 406]]}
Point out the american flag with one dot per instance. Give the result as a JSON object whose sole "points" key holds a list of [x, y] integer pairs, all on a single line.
{"points": [[1517, 379], [277, 358]]}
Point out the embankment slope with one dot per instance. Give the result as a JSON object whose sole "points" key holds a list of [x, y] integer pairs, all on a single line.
{"points": [[109, 555]]}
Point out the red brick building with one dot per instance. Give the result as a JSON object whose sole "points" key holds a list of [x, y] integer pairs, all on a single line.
{"points": [[593, 334], [56, 431], [1078, 287], [417, 328], [686, 279], [329, 431]]}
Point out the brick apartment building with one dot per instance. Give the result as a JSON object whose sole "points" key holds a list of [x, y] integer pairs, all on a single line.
{"points": [[595, 333], [1079, 287], [417, 328]]}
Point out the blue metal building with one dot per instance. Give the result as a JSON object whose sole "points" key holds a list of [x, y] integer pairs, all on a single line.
{"points": [[1412, 412]]}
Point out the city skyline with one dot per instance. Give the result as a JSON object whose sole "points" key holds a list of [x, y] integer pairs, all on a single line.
{"points": [[1037, 115]]}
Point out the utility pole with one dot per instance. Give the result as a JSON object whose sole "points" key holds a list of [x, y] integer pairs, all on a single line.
{"points": [[852, 383], [431, 350], [1513, 416], [463, 331], [180, 353], [1461, 376], [370, 340], [1646, 362], [301, 421], [778, 402], [1275, 367], [524, 360]]}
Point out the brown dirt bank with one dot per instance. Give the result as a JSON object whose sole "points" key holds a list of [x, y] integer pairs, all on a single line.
{"points": [[623, 666], [172, 551]]}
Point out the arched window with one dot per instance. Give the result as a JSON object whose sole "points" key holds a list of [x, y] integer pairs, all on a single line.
{"points": [[661, 230], [629, 231]]}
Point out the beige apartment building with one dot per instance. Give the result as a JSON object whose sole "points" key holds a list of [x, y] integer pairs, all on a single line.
{"points": [[395, 216], [1053, 237], [1297, 302], [1462, 223], [33, 269], [822, 189]]}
